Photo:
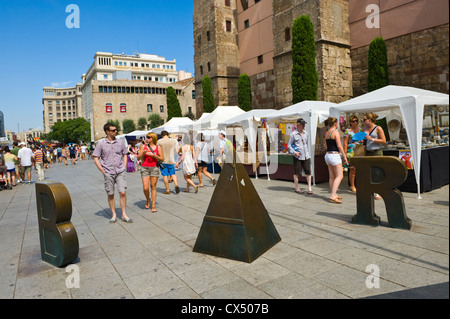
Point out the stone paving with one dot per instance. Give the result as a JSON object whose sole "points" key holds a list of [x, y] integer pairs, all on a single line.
{"points": [[321, 255]]}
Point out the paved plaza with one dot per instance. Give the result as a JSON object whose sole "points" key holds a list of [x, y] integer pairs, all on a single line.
{"points": [[321, 254]]}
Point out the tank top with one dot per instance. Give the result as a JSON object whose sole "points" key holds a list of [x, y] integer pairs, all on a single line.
{"points": [[148, 160], [370, 145], [331, 144]]}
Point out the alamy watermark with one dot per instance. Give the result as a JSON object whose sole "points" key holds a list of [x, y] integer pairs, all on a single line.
{"points": [[73, 19], [373, 280], [373, 20], [73, 279]]}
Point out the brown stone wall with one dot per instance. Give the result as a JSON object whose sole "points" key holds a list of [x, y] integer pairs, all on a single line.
{"points": [[419, 59], [332, 35], [262, 86], [221, 52]]}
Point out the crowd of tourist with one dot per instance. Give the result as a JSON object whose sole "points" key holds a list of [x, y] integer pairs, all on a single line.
{"points": [[152, 158], [16, 163]]}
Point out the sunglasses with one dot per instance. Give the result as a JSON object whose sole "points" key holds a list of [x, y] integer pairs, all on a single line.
{"points": [[355, 121], [148, 137], [113, 130]]}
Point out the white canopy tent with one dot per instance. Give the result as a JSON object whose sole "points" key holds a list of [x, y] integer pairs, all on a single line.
{"points": [[137, 134], [249, 122], [313, 112], [175, 125], [211, 121], [391, 99]]}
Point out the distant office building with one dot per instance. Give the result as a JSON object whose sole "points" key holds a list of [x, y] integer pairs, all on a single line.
{"points": [[61, 104], [119, 87]]}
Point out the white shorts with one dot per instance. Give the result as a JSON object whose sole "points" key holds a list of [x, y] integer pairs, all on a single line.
{"points": [[333, 159]]}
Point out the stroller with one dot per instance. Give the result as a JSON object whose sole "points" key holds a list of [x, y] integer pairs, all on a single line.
{"points": [[3, 180]]}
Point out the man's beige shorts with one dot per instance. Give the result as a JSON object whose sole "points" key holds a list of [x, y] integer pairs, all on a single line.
{"points": [[115, 179]]}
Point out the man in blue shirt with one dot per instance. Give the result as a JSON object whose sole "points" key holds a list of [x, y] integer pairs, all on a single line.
{"points": [[298, 146]]}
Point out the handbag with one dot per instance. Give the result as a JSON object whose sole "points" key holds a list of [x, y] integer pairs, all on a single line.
{"points": [[158, 163], [360, 150]]}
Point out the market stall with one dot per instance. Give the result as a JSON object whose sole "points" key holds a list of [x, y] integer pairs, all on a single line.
{"points": [[174, 125], [394, 102], [208, 125], [313, 112], [249, 122]]}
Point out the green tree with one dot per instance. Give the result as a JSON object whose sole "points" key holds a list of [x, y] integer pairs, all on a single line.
{"points": [[155, 120], [244, 93], [116, 123], [378, 73], [378, 69], [173, 105], [128, 126], [304, 77], [71, 131], [208, 97], [142, 123]]}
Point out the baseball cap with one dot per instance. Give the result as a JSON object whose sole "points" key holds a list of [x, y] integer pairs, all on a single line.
{"points": [[22, 143], [223, 133], [301, 121]]}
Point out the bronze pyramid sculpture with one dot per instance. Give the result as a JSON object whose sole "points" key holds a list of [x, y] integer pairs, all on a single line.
{"points": [[236, 225]]}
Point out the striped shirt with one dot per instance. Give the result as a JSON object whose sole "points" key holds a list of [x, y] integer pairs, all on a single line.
{"points": [[38, 157]]}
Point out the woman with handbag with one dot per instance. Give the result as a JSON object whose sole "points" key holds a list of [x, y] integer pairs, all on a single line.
{"points": [[187, 158], [150, 154], [349, 146], [375, 137], [333, 158]]}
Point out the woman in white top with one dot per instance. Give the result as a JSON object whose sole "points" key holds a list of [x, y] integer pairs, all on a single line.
{"points": [[187, 159], [202, 159]]}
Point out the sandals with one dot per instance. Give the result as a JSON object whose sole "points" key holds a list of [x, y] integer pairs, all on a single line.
{"points": [[214, 182], [353, 189], [127, 220], [302, 192], [167, 192], [113, 220], [336, 200], [154, 210]]}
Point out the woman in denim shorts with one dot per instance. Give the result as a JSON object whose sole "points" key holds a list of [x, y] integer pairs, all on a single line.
{"points": [[150, 153]]}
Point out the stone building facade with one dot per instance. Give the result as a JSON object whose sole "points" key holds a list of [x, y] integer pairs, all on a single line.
{"points": [[61, 104], [216, 50], [416, 34], [417, 46], [260, 45], [332, 37], [127, 99]]}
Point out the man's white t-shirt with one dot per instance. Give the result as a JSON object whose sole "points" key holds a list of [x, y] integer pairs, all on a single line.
{"points": [[25, 154]]}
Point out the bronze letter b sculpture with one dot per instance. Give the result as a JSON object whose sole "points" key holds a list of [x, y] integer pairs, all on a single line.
{"points": [[59, 240]]}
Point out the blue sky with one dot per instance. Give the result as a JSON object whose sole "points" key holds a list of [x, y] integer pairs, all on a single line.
{"points": [[38, 50]]}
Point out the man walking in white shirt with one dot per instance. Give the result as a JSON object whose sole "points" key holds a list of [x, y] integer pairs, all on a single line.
{"points": [[25, 156]]}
